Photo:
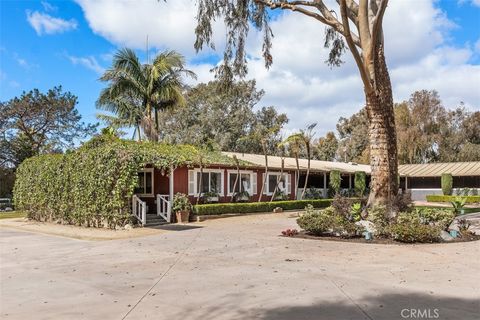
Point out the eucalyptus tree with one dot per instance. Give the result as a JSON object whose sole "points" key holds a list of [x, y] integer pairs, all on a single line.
{"points": [[137, 92], [356, 25]]}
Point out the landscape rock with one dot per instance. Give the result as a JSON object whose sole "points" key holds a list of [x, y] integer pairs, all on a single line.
{"points": [[367, 225], [277, 210], [454, 226], [445, 236], [128, 227]]}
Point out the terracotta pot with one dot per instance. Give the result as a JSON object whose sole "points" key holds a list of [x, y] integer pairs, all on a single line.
{"points": [[182, 216]]}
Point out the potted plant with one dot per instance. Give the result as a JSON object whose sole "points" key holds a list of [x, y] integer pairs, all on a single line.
{"points": [[242, 196], [181, 207], [458, 205], [280, 196], [209, 197]]}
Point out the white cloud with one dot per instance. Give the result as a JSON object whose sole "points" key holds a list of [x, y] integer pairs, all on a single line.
{"points": [[46, 24], [127, 23], [419, 54], [88, 62], [47, 6]]}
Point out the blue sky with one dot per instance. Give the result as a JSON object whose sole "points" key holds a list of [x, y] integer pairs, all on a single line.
{"points": [[73, 51]]}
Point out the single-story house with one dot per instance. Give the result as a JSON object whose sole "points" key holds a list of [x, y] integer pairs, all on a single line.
{"points": [[156, 188], [425, 179]]}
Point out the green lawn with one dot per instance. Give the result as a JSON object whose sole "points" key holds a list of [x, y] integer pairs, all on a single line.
{"points": [[12, 214]]}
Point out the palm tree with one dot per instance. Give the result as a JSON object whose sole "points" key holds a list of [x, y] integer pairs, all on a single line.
{"points": [[136, 92]]}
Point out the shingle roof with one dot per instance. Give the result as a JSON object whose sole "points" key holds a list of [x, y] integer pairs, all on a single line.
{"points": [[290, 163], [457, 169]]}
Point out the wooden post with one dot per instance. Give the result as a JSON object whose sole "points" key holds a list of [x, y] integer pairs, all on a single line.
{"points": [[406, 184], [349, 182], [170, 194], [325, 184]]}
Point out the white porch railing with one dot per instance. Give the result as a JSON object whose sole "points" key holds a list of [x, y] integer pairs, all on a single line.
{"points": [[164, 208], [139, 209]]}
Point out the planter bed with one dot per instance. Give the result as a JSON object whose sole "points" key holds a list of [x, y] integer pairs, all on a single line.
{"points": [[377, 240]]}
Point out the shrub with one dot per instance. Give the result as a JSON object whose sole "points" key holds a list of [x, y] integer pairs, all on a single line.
{"points": [[319, 222], [335, 181], [345, 207], [440, 198], [414, 232], [251, 207], [439, 217], [360, 183], [378, 216], [313, 193], [447, 184], [181, 203], [402, 202]]}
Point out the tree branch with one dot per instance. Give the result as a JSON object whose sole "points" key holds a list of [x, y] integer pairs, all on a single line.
{"points": [[377, 25], [326, 17], [358, 59], [352, 11]]}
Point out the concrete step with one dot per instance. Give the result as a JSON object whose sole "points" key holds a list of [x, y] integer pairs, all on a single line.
{"points": [[154, 220]]}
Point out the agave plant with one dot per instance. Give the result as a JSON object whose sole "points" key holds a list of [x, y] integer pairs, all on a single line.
{"points": [[458, 203]]}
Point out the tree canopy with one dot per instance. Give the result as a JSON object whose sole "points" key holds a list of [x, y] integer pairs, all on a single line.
{"points": [[37, 123], [427, 132], [221, 119], [137, 92]]}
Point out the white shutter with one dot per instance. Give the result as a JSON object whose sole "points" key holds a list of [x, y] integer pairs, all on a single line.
{"points": [[191, 182], [288, 183], [254, 182]]}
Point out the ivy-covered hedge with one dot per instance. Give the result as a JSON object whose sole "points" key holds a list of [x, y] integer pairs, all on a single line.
{"points": [[440, 198], [92, 186], [224, 208]]}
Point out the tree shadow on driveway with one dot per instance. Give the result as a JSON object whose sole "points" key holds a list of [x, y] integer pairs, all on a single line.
{"points": [[390, 306]]}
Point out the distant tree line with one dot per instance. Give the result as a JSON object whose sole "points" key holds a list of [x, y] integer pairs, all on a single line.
{"points": [[426, 132]]}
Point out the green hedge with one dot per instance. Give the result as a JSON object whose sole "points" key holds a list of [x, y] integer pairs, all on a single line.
{"points": [[447, 184], [439, 198], [223, 208], [93, 185]]}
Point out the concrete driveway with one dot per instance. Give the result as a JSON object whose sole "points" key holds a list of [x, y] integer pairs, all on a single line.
{"points": [[235, 268]]}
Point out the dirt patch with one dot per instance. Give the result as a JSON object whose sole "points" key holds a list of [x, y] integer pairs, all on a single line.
{"points": [[377, 240], [76, 232]]}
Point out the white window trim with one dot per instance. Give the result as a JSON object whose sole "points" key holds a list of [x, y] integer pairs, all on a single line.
{"points": [[148, 195], [222, 184], [251, 191], [286, 174]]}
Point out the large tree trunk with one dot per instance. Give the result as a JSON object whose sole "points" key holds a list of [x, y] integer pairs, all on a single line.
{"points": [[383, 138]]}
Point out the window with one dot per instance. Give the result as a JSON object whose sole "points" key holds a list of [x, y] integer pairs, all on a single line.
{"points": [[273, 179], [244, 183], [145, 182], [211, 182]]}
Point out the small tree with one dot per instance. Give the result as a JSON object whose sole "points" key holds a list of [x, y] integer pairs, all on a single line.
{"points": [[447, 184], [307, 136], [335, 181], [294, 146], [360, 183]]}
